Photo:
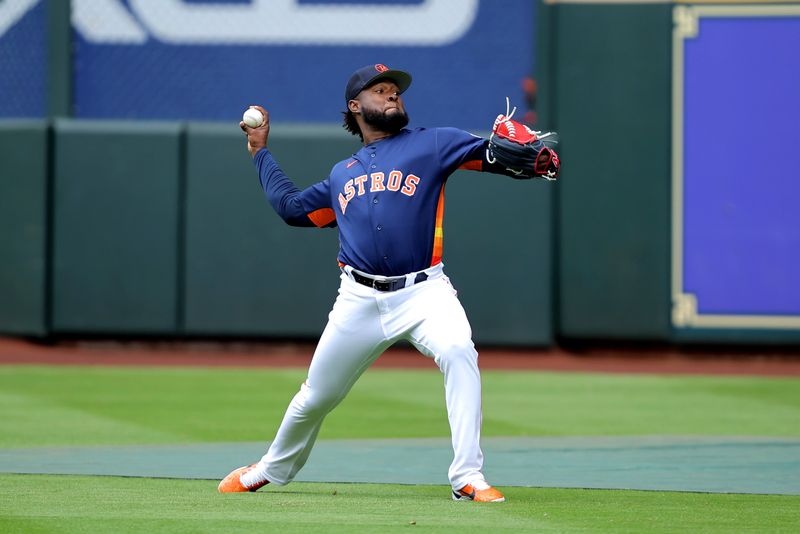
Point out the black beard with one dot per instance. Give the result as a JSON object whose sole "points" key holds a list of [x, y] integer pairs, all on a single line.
{"points": [[391, 123]]}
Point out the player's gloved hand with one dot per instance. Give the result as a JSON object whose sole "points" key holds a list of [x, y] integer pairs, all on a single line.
{"points": [[524, 152]]}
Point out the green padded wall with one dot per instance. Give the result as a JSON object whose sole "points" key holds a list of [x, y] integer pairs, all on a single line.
{"points": [[115, 256], [610, 101], [23, 227], [498, 253], [248, 273]]}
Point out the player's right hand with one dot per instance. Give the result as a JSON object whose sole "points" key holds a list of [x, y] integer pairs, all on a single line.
{"points": [[256, 137]]}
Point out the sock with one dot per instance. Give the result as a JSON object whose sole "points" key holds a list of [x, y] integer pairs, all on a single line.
{"points": [[254, 476]]}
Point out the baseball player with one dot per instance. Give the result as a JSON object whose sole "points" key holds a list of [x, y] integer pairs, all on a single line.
{"points": [[387, 201]]}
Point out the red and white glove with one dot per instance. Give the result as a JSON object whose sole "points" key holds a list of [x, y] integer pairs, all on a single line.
{"points": [[524, 152]]}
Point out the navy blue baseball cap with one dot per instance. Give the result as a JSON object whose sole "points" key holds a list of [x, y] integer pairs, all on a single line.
{"points": [[371, 74]]}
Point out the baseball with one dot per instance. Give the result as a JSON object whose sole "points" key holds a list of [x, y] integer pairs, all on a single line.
{"points": [[253, 118]]}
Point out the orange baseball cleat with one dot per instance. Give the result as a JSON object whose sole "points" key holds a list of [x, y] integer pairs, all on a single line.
{"points": [[233, 484], [486, 494]]}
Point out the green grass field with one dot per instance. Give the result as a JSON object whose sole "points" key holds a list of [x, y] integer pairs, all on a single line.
{"points": [[60, 406]]}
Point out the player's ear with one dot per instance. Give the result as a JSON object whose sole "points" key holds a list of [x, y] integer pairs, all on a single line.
{"points": [[354, 106]]}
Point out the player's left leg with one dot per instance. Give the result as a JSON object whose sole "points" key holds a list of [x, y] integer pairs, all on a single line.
{"points": [[443, 333]]}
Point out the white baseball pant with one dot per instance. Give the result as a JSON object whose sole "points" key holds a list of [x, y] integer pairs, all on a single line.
{"points": [[365, 322]]}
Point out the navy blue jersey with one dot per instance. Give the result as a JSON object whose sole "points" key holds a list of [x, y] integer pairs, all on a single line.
{"points": [[387, 199]]}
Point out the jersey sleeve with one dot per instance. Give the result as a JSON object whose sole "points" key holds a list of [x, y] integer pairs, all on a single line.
{"points": [[462, 150], [309, 207], [456, 147]]}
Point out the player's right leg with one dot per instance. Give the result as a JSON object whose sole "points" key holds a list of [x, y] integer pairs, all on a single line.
{"points": [[352, 340], [444, 334]]}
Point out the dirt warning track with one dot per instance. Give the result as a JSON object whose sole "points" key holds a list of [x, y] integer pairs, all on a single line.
{"points": [[285, 354]]}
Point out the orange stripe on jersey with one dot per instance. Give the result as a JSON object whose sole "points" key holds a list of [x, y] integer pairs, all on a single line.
{"points": [[474, 165], [438, 232], [322, 216]]}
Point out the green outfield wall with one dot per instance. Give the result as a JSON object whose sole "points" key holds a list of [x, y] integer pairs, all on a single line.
{"points": [[607, 92], [116, 189], [24, 189], [247, 272]]}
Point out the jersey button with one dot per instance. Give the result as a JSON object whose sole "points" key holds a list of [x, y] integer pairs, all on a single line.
{"points": [[374, 200], [379, 227], [373, 166], [372, 155]]}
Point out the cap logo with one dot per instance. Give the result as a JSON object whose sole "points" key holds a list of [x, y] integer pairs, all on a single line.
{"points": [[380, 67]]}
